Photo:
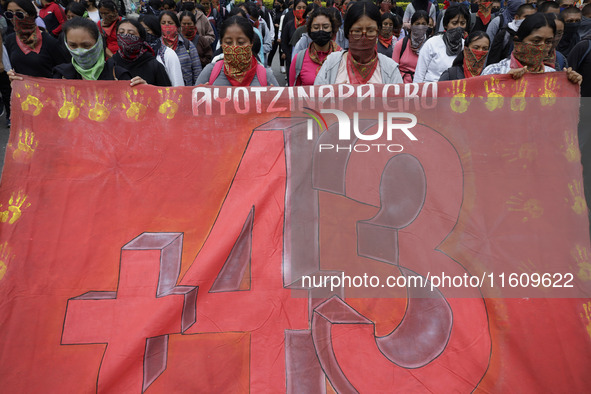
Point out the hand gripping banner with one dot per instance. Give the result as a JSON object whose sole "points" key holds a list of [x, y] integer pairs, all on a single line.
{"points": [[323, 239]]}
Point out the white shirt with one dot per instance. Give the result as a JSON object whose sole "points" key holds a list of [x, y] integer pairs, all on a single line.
{"points": [[433, 60], [173, 67]]}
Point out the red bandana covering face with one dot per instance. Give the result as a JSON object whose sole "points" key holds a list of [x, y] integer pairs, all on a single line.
{"points": [[170, 36], [360, 73], [131, 47], [530, 55], [484, 12], [386, 41], [189, 32], [473, 62], [28, 35], [240, 66], [299, 18]]}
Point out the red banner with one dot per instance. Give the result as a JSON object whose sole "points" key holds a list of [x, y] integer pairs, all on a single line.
{"points": [[370, 238]]}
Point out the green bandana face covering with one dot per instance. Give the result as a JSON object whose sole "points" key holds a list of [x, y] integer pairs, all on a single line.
{"points": [[89, 62]]}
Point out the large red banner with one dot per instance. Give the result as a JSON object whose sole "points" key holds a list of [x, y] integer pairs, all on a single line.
{"points": [[371, 238]]}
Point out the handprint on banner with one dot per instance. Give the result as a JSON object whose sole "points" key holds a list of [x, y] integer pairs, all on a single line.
{"points": [[5, 257], [581, 256], [524, 153], [31, 104], [459, 101], [170, 105], [587, 316], [518, 100], [100, 110], [531, 208], [493, 88], [138, 104], [571, 148], [15, 208], [577, 201], [70, 109], [547, 94], [26, 146]]}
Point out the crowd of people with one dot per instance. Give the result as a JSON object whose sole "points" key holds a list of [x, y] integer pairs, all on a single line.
{"points": [[168, 43]]}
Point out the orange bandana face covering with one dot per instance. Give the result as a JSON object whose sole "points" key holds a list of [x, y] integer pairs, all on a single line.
{"points": [[484, 10], [529, 55], [360, 73], [240, 66], [473, 62]]}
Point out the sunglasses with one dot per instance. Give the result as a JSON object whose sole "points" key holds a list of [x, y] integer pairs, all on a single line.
{"points": [[10, 15]]}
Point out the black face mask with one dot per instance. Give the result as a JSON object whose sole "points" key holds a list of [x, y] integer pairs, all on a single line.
{"points": [[494, 10], [429, 32], [321, 37], [474, 8], [152, 40]]}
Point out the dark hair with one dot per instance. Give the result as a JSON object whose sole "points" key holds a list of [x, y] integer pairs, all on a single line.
{"points": [[172, 15], [452, 12], [586, 11], [189, 14], [531, 23], [546, 5], [76, 8], [188, 6], [570, 10], [396, 20], [296, 2], [140, 29], [170, 3], [152, 22], [237, 11], [523, 8], [475, 35], [26, 5], [420, 14], [252, 10], [322, 11], [244, 25], [82, 23], [553, 17], [357, 11], [108, 4]]}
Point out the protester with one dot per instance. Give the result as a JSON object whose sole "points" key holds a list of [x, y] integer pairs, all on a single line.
{"points": [[292, 21], [93, 12], [31, 51], [406, 51], [502, 44], [74, 9], [88, 56], [483, 15], [415, 6], [439, 52], [108, 25], [572, 20], [165, 56], [471, 61], [505, 17], [322, 26], [189, 31], [361, 64], [185, 50], [531, 45], [386, 38], [136, 56], [555, 59], [238, 67], [53, 15]]}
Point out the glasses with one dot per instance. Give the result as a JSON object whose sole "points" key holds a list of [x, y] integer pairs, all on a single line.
{"points": [[369, 33], [10, 15]]}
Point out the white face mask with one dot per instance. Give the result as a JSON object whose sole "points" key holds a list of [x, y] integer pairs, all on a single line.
{"points": [[514, 25]]}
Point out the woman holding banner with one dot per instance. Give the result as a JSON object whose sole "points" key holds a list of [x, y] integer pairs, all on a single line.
{"points": [[238, 67], [471, 61], [361, 64]]}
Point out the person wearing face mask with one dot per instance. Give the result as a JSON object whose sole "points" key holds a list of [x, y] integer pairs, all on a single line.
{"points": [[505, 17], [238, 67], [415, 6], [496, 8], [291, 22], [164, 55], [471, 61], [406, 50], [532, 43], [555, 59], [585, 27], [502, 44], [31, 51], [321, 27], [88, 56], [361, 64], [439, 52], [189, 31], [136, 56], [108, 25], [276, 16], [572, 20], [386, 38], [483, 15]]}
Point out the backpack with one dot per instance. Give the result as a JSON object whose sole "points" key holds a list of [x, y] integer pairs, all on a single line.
{"points": [[584, 56], [404, 45], [502, 46], [217, 69]]}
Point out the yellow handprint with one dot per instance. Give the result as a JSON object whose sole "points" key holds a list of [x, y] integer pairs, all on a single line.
{"points": [[459, 103], [547, 95], [26, 147], [579, 206], [587, 317], [494, 98], [518, 100], [69, 109], [532, 208], [136, 109], [171, 102], [100, 112], [15, 207], [581, 256], [32, 104], [526, 153], [572, 151], [5, 257]]}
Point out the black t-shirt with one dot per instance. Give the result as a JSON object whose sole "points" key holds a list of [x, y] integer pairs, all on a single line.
{"points": [[36, 64], [146, 67]]}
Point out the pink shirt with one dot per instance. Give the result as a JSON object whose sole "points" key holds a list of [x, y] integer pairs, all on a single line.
{"points": [[308, 72], [408, 62]]}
